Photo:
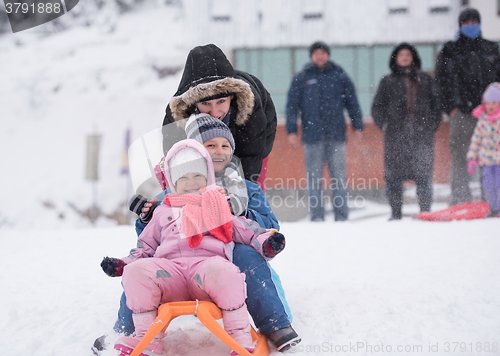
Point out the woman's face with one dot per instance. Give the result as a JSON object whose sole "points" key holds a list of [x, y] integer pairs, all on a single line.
{"points": [[404, 58], [217, 108]]}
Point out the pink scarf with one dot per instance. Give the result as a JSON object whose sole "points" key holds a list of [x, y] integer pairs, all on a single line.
{"points": [[480, 110], [209, 211]]}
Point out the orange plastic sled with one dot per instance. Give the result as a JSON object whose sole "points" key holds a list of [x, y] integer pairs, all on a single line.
{"points": [[207, 313]]}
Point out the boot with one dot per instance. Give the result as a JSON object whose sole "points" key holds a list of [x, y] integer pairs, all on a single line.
{"points": [[284, 338], [237, 325], [125, 345]]}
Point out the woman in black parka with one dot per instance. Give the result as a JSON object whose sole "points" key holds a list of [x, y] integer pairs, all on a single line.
{"points": [[406, 109], [251, 117]]}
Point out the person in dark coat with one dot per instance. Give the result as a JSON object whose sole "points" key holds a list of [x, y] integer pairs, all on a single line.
{"points": [[211, 85], [405, 108], [464, 68]]}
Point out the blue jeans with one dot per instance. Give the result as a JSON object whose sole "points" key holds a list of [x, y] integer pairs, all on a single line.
{"points": [[333, 153], [265, 297]]}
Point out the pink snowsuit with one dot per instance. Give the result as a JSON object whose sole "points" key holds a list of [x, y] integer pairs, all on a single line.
{"points": [[164, 268]]}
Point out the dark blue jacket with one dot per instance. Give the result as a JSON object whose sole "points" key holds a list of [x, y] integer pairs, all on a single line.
{"points": [[321, 97], [258, 209]]}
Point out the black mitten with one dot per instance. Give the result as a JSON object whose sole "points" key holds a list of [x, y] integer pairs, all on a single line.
{"points": [[273, 245], [136, 205], [113, 267]]}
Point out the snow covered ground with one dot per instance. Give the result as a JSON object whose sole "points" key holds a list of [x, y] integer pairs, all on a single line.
{"points": [[365, 287], [370, 287]]}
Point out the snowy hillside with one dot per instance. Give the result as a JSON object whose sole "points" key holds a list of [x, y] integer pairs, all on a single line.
{"points": [[56, 90], [407, 285], [368, 287]]}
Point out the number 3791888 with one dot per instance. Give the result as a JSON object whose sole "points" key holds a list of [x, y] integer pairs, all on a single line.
{"points": [[38, 8], [471, 347]]}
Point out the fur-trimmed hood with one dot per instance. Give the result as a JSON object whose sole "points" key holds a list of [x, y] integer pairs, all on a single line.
{"points": [[207, 75], [182, 106]]}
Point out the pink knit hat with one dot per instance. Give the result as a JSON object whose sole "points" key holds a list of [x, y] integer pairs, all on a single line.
{"points": [[492, 93]]}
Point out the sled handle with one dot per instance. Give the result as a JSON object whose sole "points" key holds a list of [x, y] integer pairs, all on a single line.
{"points": [[207, 313]]}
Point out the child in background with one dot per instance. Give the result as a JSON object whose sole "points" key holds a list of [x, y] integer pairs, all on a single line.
{"points": [[484, 149], [185, 252]]}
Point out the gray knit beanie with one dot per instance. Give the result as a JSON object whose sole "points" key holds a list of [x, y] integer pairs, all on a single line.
{"points": [[203, 127]]}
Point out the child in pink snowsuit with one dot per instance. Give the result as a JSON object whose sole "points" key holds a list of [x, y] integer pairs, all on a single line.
{"points": [[185, 251], [484, 149]]}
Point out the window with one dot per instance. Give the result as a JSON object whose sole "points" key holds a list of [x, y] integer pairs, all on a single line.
{"points": [[398, 10], [314, 16], [439, 6], [312, 9], [221, 10], [397, 7], [439, 10]]}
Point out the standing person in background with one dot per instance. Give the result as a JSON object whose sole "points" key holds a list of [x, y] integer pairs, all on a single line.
{"points": [[464, 68], [405, 109], [484, 149], [211, 85], [320, 93]]}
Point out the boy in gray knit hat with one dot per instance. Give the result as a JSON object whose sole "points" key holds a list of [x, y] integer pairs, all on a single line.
{"points": [[216, 137]]}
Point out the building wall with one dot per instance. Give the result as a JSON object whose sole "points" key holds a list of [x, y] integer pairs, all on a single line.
{"points": [[490, 17], [365, 65], [269, 38], [277, 23], [365, 163]]}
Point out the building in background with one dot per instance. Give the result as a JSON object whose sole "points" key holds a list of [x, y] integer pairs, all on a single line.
{"points": [[270, 39]]}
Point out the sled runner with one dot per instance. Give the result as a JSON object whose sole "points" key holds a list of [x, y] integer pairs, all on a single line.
{"points": [[463, 211], [207, 313]]}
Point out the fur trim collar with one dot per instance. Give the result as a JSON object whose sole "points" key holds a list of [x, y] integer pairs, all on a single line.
{"points": [[182, 105]]}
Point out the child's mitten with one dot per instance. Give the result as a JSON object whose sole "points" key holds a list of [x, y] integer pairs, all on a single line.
{"points": [[113, 267], [137, 204], [472, 166], [273, 245]]}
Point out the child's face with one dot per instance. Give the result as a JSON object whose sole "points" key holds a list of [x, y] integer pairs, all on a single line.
{"points": [[191, 183], [219, 149], [491, 106], [217, 108]]}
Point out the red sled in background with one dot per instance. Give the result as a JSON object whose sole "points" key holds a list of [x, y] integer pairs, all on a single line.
{"points": [[463, 211]]}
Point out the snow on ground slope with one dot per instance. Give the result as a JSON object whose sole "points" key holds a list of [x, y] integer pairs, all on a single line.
{"points": [[56, 90], [363, 288], [355, 288]]}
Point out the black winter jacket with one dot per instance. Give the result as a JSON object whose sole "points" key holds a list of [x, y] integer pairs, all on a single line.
{"points": [[208, 74], [408, 143], [464, 68]]}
